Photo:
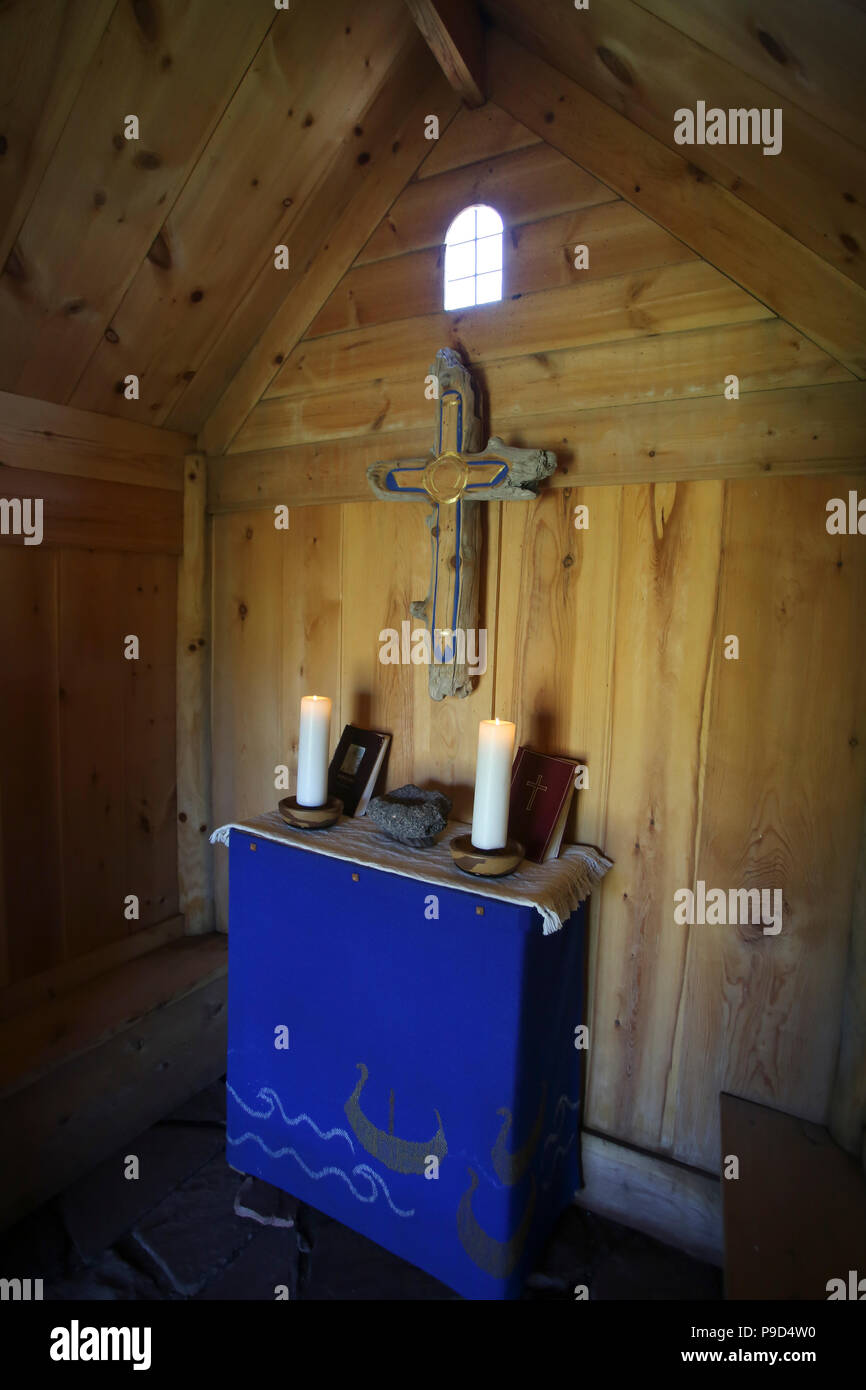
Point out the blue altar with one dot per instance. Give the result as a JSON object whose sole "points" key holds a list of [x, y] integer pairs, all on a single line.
{"points": [[403, 1057]]}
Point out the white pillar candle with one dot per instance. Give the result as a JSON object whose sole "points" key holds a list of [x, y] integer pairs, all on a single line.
{"points": [[492, 784], [313, 739]]}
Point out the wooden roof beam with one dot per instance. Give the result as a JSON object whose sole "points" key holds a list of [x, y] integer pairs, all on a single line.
{"points": [[452, 29]]}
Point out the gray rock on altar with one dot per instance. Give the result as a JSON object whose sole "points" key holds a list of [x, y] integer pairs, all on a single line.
{"points": [[411, 814]]}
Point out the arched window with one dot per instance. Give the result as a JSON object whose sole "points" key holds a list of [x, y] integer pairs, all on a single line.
{"points": [[473, 258]]}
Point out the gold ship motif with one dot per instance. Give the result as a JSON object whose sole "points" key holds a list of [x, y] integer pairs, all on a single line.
{"points": [[496, 1257], [400, 1155], [509, 1167]]}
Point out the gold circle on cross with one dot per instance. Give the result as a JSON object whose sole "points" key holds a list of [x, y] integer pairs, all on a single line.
{"points": [[445, 477]]}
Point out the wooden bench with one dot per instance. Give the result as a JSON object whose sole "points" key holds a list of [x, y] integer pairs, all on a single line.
{"points": [[88, 1061]]}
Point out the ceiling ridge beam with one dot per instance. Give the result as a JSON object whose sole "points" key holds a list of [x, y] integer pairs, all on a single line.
{"points": [[767, 262], [453, 32]]}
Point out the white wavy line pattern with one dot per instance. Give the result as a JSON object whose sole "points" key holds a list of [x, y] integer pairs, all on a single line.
{"points": [[361, 1170], [267, 1094]]}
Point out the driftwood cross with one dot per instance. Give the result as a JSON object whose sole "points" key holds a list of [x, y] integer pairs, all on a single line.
{"points": [[456, 478]]}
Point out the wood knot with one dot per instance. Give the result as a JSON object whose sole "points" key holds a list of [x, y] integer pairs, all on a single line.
{"points": [[147, 19], [159, 253], [615, 65], [772, 46], [15, 266]]}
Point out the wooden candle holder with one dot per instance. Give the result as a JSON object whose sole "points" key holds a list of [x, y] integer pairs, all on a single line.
{"points": [[310, 817], [485, 863]]}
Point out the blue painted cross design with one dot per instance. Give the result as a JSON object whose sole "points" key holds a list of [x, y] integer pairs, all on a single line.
{"points": [[455, 478]]}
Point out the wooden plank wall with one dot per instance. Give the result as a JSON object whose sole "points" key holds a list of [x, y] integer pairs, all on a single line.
{"points": [[87, 738], [608, 643]]}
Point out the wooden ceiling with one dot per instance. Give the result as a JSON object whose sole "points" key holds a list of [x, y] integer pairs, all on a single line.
{"points": [[261, 126]]}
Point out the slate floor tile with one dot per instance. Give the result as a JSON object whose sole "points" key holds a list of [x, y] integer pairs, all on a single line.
{"points": [[194, 1231], [270, 1259], [104, 1204], [110, 1279]]}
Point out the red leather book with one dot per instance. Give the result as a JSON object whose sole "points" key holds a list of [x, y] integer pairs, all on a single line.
{"points": [[541, 788]]}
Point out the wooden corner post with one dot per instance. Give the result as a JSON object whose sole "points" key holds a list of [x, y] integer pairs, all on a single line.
{"points": [[194, 866]]}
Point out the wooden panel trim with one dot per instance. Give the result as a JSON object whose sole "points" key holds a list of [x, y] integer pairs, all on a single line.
{"points": [[799, 430], [96, 515], [27, 995], [794, 281], [663, 299], [60, 439], [194, 859], [672, 1202], [768, 355]]}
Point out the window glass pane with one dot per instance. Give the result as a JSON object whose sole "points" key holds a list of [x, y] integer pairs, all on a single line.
{"points": [[460, 261], [489, 221], [473, 258], [489, 287], [460, 293], [489, 254], [462, 228]]}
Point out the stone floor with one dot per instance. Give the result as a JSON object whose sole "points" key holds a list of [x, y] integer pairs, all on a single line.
{"points": [[190, 1227]]}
